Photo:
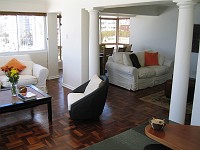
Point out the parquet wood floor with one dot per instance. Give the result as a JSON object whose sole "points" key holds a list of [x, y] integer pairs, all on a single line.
{"points": [[23, 130]]}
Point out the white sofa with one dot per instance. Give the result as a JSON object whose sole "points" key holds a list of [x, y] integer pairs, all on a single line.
{"points": [[121, 72], [33, 73]]}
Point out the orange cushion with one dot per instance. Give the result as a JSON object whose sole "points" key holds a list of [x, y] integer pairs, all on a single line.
{"points": [[14, 63], [151, 59]]}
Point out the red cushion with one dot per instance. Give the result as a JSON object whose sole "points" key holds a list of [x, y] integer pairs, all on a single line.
{"points": [[151, 59]]}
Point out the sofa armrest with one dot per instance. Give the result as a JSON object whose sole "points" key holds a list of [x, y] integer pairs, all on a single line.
{"points": [[121, 68], [168, 63], [110, 59], [41, 73]]}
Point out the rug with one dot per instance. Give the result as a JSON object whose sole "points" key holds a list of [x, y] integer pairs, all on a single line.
{"points": [[128, 140], [161, 100]]}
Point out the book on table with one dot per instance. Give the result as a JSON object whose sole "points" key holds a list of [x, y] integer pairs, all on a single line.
{"points": [[27, 96]]}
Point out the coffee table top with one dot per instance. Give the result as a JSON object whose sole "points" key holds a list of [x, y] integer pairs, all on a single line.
{"points": [[6, 98], [176, 136]]}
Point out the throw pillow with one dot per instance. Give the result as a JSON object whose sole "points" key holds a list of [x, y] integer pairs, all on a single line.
{"points": [[92, 85], [151, 59], [135, 61], [73, 97], [128, 47], [127, 60], [29, 68], [140, 56], [15, 64]]}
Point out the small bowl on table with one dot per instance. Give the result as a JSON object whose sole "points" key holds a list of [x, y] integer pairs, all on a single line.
{"points": [[157, 124], [22, 90]]}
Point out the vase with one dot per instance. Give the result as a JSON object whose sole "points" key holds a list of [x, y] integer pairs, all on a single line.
{"points": [[14, 89]]}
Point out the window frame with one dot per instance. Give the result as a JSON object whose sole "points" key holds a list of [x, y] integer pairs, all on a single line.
{"points": [[28, 14], [117, 29]]}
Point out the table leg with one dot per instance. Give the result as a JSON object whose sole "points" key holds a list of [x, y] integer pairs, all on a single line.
{"points": [[49, 111], [32, 113]]}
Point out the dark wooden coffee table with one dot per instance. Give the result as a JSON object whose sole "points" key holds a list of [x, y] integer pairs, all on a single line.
{"points": [[8, 103], [176, 136]]}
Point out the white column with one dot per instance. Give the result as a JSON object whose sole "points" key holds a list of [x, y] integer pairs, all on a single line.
{"points": [[195, 120], [94, 61], [182, 61]]}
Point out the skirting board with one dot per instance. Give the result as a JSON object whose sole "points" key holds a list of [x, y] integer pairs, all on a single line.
{"points": [[53, 77], [68, 86]]}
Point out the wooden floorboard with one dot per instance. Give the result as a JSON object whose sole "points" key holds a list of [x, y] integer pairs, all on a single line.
{"points": [[123, 110]]}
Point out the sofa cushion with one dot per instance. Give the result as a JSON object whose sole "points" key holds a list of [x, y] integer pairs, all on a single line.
{"points": [[23, 80], [29, 67], [135, 61], [160, 70], [118, 57], [2, 63], [15, 64], [92, 85], [151, 59], [73, 97], [146, 72], [127, 60], [140, 56]]}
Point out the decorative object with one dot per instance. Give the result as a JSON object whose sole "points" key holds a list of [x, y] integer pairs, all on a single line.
{"points": [[13, 77], [14, 89], [151, 58], [134, 60], [28, 96], [157, 124], [22, 90], [14, 63]]}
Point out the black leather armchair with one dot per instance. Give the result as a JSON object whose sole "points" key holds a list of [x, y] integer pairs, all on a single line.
{"points": [[92, 105]]}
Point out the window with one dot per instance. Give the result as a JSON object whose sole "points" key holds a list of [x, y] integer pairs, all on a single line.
{"points": [[124, 31], [22, 32], [114, 31]]}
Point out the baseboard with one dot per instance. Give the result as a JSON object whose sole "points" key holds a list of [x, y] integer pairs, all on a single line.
{"points": [[53, 77], [68, 86]]}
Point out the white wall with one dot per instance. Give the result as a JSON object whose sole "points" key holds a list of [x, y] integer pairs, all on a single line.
{"points": [[24, 5], [155, 32], [71, 45], [159, 33]]}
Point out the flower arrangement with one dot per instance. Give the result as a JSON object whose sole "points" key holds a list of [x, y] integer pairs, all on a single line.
{"points": [[13, 77], [12, 74]]}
